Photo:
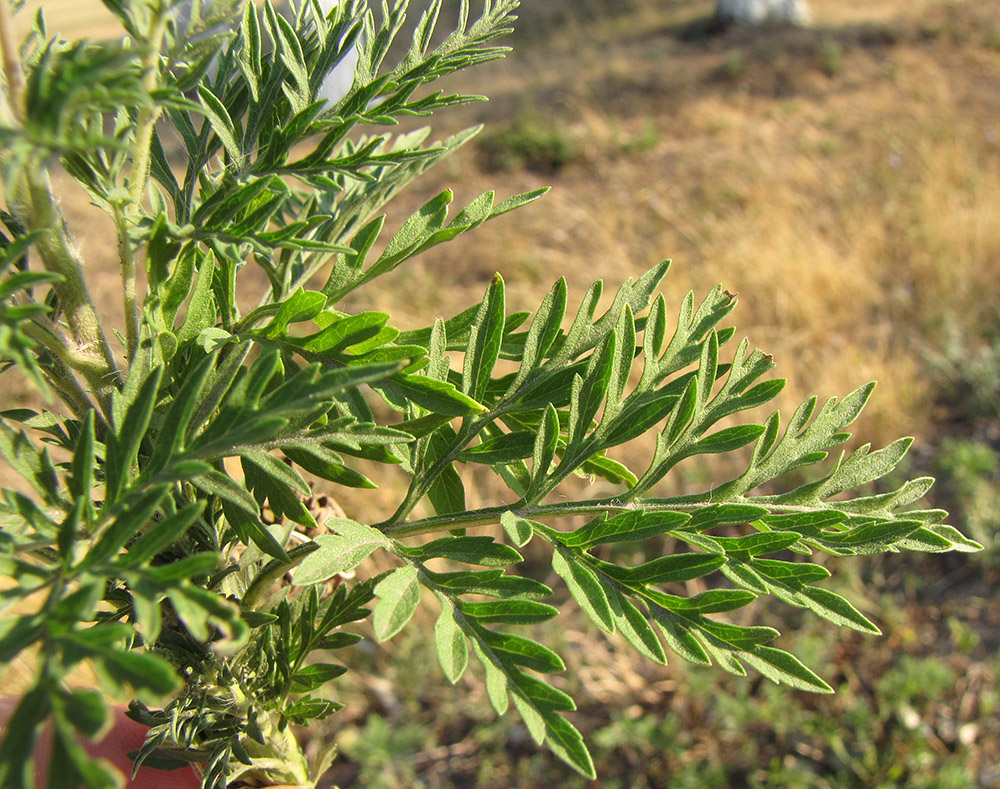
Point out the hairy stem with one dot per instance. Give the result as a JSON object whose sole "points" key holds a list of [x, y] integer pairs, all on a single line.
{"points": [[11, 65], [69, 389], [487, 516], [137, 183], [272, 571], [37, 209], [88, 351]]}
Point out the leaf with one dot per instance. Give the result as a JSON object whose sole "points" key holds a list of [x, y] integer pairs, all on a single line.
{"points": [[711, 602], [205, 615], [221, 123], [241, 511], [352, 333], [625, 527], [503, 448], [171, 438], [450, 643], [140, 670], [162, 535], [519, 530], [471, 550], [727, 440], [523, 651], [303, 305], [533, 719], [681, 641], [631, 623], [834, 608], [492, 583], [133, 515], [496, 682], [200, 317], [416, 231], [21, 733], [682, 414], [716, 515], [485, 336], [543, 451], [197, 564], [35, 466], [567, 743], [758, 544], [584, 586], [589, 390], [340, 552], [783, 668], [438, 397], [315, 676], [399, 595], [514, 612], [81, 479], [544, 331], [318, 461], [667, 569], [447, 493], [123, 443], [305, 709], [86, 711], [872, 537]]}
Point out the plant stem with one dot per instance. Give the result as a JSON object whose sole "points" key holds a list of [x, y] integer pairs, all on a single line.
{"points": [[487, 516], [137, 182], [37, 209], [272, 571], [89, 351], [11, 64], [126, 263], [69, 389]]}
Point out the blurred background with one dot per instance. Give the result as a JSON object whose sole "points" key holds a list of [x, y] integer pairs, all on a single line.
{"points": [[843, 178]]}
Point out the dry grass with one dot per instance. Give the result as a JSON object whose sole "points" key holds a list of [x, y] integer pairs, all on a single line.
{"points": [[856, 213], [842, 179], [845, 180]]}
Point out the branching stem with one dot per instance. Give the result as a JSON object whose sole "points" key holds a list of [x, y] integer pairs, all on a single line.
{"points": [[88, 351], [487, 516]]}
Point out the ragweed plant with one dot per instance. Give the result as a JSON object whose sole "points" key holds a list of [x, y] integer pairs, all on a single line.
{"points": [[135, 548]]}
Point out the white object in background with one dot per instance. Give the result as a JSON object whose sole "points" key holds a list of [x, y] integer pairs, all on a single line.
{"points": [[335, 85], [338, 82], [755, 12]]}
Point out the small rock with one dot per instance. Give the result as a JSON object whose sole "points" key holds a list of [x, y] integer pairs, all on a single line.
{"points": [[968, 733]]}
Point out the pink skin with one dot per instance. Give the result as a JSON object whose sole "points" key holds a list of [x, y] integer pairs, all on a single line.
{"points": [[124, 737]]}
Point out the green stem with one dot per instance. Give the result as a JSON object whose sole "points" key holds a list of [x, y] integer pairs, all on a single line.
{"points": [[488, 516], [69, 389], [272, 571], [51, 336], [11, 65], [126, 263], [33, 203], [137, 183]]}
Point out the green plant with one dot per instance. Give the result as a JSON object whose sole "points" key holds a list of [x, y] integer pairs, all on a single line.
{"points": [[833, 58], [971, 478], [528, 142], [133, 547]]}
